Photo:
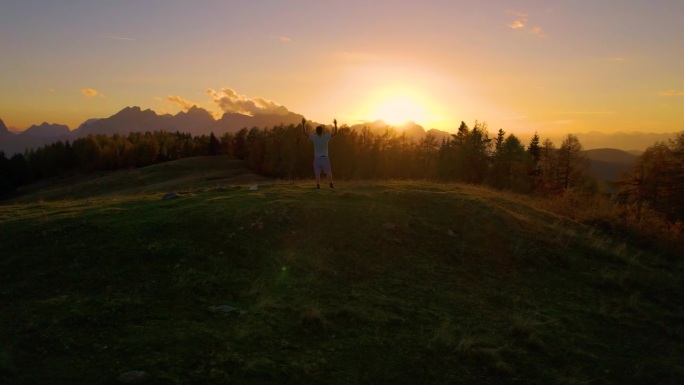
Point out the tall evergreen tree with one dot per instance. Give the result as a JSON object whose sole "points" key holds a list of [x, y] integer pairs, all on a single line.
{"points": [[500, 137], [534, 149]]}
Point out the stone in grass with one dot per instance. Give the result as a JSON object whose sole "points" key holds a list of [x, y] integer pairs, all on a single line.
{"points": [[170, 195], [134, 377]]}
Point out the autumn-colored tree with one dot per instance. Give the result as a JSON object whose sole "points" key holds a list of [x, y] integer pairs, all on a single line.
{"points": [[549, 180], [573, 165], [657, 180]]}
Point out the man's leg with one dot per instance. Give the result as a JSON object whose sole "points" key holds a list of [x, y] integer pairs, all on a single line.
{"points": [[328, 172], [317, 173]]}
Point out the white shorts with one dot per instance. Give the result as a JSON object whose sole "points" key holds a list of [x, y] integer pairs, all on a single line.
{"points": [[321, 162]]}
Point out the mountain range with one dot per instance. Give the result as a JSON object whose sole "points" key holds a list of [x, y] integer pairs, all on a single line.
{"points": [[198, 121], [607, 164], [195, 121]]}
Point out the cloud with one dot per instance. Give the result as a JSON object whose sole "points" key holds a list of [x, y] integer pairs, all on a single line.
{"points": [[51, 90], [538, 31], [182, 103], [231, 102], [672, 93], [283, 39], [91, 93], [520, 23], [521, 20]]}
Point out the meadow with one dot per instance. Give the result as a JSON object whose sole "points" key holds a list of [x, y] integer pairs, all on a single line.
{"points": [[379, 282]]}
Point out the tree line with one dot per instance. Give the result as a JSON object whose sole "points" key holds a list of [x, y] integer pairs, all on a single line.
{"points": [[282, 151], [96, 153], [470, 155]]}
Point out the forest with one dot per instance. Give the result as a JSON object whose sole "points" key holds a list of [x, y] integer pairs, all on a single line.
{"points": [[653, 192]]}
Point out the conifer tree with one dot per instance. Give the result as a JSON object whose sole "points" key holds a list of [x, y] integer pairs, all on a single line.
{"points": [[534, 149]]}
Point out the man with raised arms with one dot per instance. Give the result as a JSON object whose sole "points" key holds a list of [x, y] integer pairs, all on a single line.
{"points": [[321, 159]]}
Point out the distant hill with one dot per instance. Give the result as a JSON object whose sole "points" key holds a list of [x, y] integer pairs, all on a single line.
{"points": [[629, 141], [632, 142], [609, 164], [612, 155]]}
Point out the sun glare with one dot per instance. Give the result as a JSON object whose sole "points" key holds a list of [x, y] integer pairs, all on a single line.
{"points": [[398, 110]]}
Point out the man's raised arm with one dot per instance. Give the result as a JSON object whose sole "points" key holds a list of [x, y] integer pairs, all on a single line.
{"points": [[335, 129], [304, 127]]}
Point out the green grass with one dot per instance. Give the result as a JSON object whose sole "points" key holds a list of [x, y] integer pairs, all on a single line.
{"points": [[392, 282]]}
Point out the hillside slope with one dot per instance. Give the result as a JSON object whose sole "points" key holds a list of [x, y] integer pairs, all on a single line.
{"points": [[383, 283], [177, 175]]}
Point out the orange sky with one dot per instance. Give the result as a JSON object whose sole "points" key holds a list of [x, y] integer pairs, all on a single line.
{"points": [[568, 66]]}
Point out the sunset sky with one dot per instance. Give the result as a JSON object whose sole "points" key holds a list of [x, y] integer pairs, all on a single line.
{"points": [[552, 66]]}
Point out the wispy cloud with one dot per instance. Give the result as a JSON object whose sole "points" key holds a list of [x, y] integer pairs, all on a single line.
{"points": [[538, 31], [283, 39], [672, 93], [51, 90], [112, 37], [182, 103], [521, 21], [231, 102], [91, 93], [518, 24]]}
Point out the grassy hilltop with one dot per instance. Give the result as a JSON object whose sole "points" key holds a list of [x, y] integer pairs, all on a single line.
{"points": [[377, 283]]}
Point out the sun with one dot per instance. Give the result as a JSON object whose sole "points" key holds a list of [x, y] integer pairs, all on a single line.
{"points": [[400, 109]]}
